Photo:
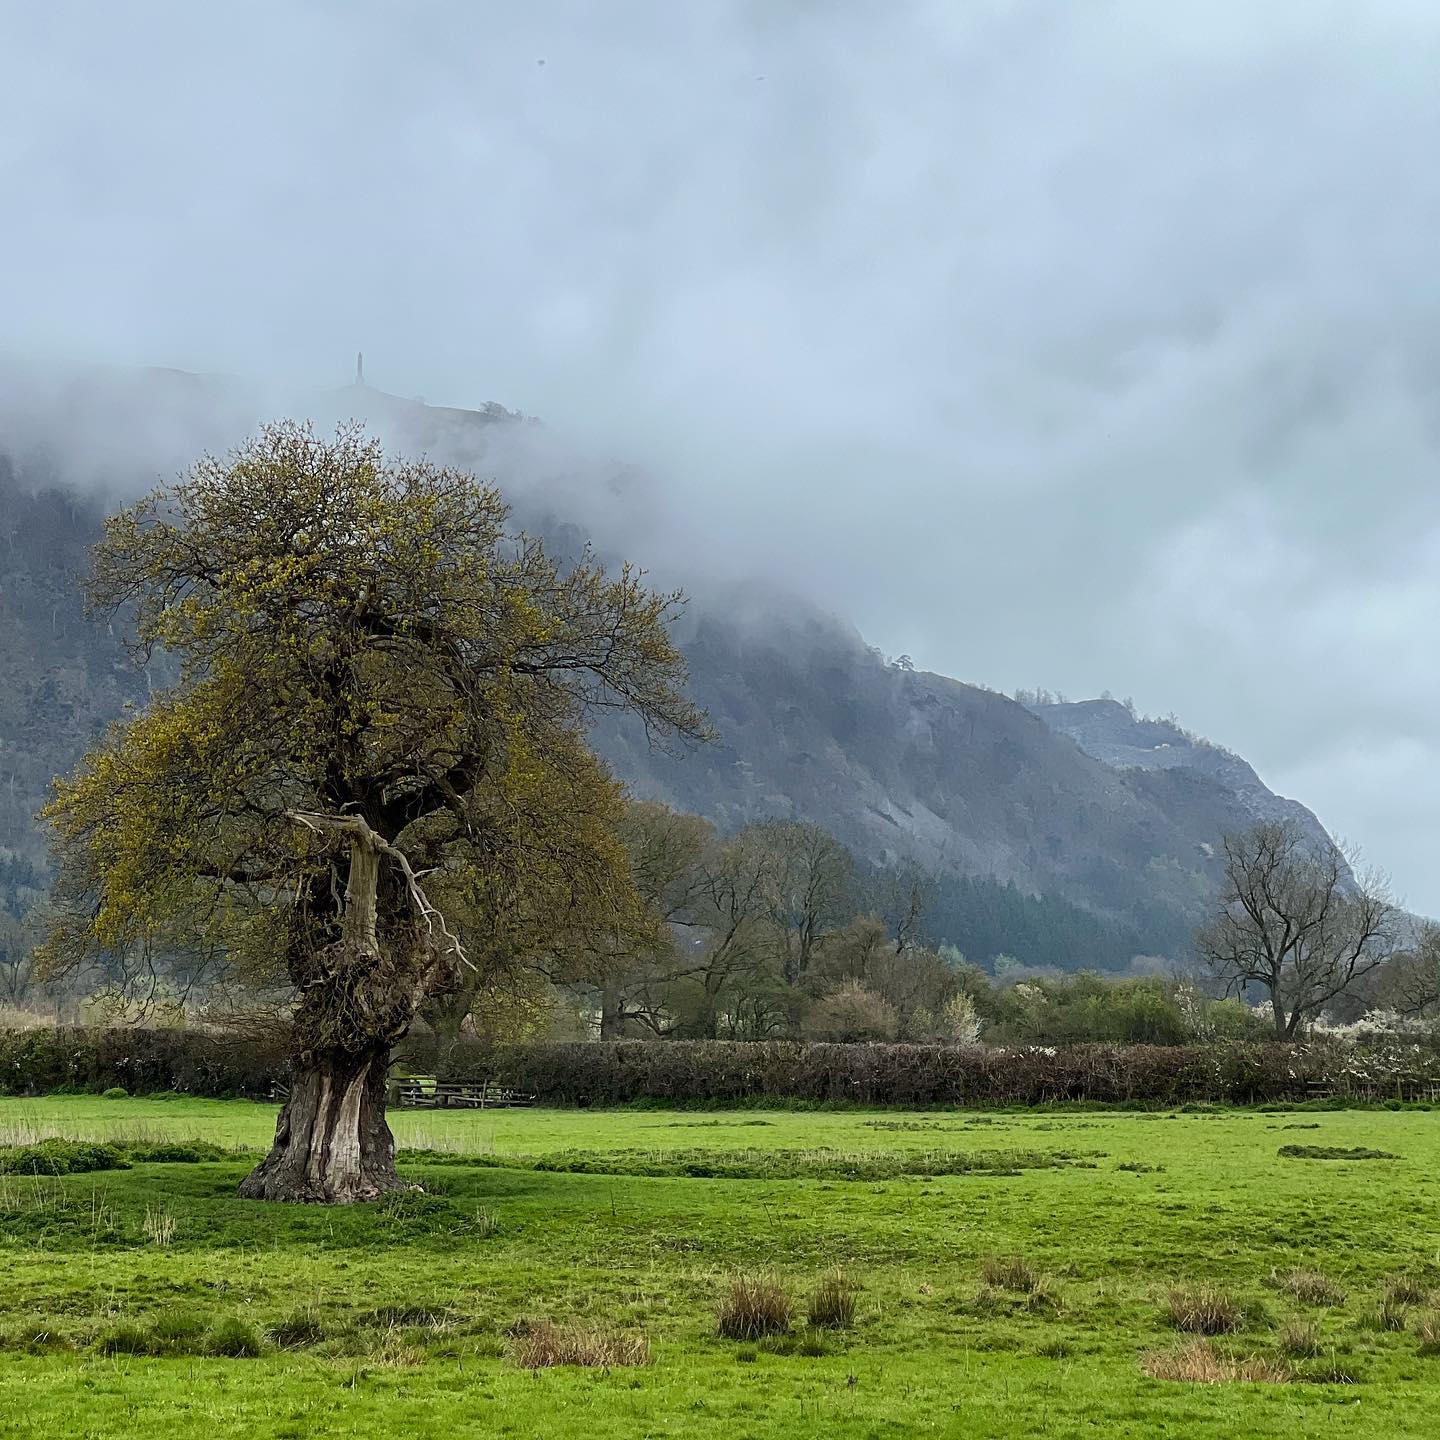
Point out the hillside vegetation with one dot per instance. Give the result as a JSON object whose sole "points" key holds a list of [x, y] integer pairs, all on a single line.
{"points": [[1053, 836]]}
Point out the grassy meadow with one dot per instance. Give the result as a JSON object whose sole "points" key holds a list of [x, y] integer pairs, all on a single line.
{"points": [[1000, 1274]]}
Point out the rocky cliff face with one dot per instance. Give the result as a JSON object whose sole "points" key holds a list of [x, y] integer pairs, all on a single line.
{"points": [[1115, 735], [1108, 815]]}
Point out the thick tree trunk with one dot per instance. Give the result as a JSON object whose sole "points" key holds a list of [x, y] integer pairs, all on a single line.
{"points": [[332, 1143]]}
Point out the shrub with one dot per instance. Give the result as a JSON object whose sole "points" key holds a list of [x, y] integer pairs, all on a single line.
{"points": [[753, 1307], [143, 1060], [832, 1304], [1009, 1272], [217, 1063], [852, 1012], [175, 1152], [234, 1338], [545, 1345], [1203, 1312], [60, 1157], [115, 1092], [1309, 1287], [1199, 1363]]}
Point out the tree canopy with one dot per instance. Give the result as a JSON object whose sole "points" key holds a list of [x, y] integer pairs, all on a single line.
{"points": [[369, 779]]}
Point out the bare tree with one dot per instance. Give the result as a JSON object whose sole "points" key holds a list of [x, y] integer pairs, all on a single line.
{"points": [[1296, 921], [810, 892], [17, 944], [1411, 983]]}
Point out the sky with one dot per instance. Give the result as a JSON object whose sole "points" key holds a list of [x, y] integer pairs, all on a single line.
{"points": [[1087, 346]]}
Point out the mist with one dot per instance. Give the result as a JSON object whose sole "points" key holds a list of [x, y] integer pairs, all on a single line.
{"points": [[1086, 347]]}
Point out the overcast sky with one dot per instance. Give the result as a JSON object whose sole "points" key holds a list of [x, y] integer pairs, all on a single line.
{"points": [[1088, 345]]}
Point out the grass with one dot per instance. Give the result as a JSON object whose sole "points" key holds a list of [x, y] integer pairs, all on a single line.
{"points": [[1309, 1287], [1334, 1152], [424, 1314], [1203, 1312], [1198, 1362], [545, 1345], [832, 1303], [752, 1307]]}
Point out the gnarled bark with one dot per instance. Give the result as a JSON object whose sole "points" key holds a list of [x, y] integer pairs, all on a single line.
{"points": [[332, 1144], [358, 996]]}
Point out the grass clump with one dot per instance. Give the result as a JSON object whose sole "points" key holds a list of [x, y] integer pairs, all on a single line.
{"points": [[235, 1339], [1334, 1152], [809, 1343], [1198, 1362], [1406, 1290], [1203, 1312], [1332, 1370], [753, 1307], [544, 1345], [1010, 1272], [832, 1304], [1299, 1340], [1309, 1287], [819, 1163], [297, 1330], [115, 1092], [178, 1328], [1427, 1332], [38, 1337], [127, 1339]]}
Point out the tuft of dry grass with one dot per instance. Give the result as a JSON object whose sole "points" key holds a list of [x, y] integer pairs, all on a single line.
{"points": [[753, 1307], [1010, 1272], [1427, 1332], [159, 1225], [1299, 1340], [543, 1345], [1198, 1362], [1406, 1290], [832, 1303], [1203, 1312], [1309, 1287]]}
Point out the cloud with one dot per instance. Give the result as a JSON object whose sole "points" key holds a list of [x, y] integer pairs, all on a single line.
{"points": [[1092, 347]]}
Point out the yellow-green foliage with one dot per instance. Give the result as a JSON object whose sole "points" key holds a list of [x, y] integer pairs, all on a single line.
{"points": [[355, 637]]}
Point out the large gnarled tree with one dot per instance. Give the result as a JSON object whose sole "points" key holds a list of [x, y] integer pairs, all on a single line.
{"points": [[375, 742]]}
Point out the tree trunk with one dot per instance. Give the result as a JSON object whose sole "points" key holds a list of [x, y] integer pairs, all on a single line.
{"points": [[612, 1012], [332, 1143]]}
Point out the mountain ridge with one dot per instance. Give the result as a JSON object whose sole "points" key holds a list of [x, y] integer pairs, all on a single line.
{"points": [[1081, 805]]}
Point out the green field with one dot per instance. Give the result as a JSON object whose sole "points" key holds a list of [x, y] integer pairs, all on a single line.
{"points": [[401, 1319]]}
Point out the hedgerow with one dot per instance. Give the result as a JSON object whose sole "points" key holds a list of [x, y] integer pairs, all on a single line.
{"points": [[728, 1073]]}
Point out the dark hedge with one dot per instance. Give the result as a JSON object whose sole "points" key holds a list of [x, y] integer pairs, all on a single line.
{"points": [[198, 1062], [142, 1061], [720, 1072]]}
